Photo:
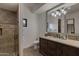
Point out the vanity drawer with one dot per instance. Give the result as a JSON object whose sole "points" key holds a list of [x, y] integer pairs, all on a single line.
{"points": [[69, 51]]}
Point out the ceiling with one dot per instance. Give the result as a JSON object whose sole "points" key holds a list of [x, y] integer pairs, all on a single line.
{"points": [[34, 6], [74, 8], [9, 6]]}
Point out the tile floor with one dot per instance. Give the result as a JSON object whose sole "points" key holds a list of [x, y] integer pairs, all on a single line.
{"points": [[31, 52]]}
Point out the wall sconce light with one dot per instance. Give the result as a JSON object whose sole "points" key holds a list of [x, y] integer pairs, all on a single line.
{"points": [[24, 22]]}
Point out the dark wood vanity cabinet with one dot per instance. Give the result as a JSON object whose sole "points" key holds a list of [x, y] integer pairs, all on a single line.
{"points": [[68, 50], [43, 46], [59, 49], [51, 48]]}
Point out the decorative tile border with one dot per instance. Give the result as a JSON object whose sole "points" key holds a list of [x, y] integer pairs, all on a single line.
{"points": [[63, 36]]}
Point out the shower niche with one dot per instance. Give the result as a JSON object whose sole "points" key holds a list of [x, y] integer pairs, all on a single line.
{"points": [[0, 31]]}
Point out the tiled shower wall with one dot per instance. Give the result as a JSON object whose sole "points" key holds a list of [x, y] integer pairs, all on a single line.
{"points": [[8, 33]]}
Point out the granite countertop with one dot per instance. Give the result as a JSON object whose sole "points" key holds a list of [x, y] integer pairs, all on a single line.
{"points": [[73, 43]]}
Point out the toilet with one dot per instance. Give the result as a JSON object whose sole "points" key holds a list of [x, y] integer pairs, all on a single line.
{"points": [[36, 44]]}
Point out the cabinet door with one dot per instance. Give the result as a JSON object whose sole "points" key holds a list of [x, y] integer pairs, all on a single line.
{"points": [[77, 51], [59, 49], [51, 48], [43, 46], [69, 51]]}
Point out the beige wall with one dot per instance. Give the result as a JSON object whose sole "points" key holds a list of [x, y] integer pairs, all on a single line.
{"points": [[41, 22], [36, 26], [28, 34]]}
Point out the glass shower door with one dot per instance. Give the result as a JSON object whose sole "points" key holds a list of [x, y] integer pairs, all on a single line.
{"points": [[7, 40]]}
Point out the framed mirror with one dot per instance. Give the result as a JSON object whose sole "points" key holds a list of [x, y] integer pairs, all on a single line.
{"points": [[64, 19], [71, 26]]}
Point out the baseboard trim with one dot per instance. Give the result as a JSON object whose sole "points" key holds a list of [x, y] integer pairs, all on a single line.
{"points": [[30, 45]]}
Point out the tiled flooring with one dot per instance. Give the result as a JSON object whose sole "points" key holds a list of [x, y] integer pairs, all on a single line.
{"points": [[31, 52]]}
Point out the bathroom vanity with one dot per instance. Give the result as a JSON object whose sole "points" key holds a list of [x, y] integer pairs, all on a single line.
{"points": [[62, 32], [51, 46]]}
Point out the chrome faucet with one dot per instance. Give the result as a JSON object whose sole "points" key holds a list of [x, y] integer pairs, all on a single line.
{"points": [[62, 36]]}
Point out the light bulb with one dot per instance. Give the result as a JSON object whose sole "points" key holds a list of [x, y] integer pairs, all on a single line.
{"points": [[24, 22], [53, 14], [65, 12], [57, 12], [62, 10]]}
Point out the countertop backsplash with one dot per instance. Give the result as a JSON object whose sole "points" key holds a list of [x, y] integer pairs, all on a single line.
{"points": [[63, 36]]}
